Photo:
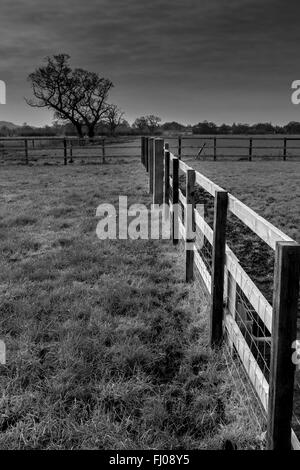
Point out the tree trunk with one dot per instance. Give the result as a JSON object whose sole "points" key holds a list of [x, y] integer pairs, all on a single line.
{"points": [[79, 130], [91, 132]]}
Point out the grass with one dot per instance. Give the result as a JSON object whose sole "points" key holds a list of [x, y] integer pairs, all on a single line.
{"points": [[106, 345]]}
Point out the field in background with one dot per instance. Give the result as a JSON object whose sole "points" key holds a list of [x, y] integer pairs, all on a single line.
{"points": [[106, 346], [272, 189]]}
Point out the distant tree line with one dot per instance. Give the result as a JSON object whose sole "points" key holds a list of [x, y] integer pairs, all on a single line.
{"points": [[80, 103], [205, 127], [148, 125]]}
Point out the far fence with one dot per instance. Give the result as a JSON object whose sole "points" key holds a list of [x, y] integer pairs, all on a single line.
{"points": [[66, 150], [260, 335], [240, 147]]}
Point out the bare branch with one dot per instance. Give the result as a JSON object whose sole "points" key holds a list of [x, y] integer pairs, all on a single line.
{"points": [[76, 95]]}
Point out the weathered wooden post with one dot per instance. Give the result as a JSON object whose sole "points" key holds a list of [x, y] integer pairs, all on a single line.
{"points": [[284, 148], [158, 172], [284, 332], [143, 150], [166, 176], [215, 148], [26, 151], [151, 149], [218, 262], [65, 152], [147, 153], [71, 151], [250, 150], [175, 200], [179, 148], [103, 151], [190, 226]]}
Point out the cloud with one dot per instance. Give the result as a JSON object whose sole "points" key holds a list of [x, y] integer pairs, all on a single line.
{"points": [[159, 46]]}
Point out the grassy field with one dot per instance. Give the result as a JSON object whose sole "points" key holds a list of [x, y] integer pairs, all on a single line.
{"points": [[106, 345]]}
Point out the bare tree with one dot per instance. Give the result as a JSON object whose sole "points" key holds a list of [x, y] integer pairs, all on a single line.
{"points": [[93, 106], [76, 95], [113, 118], [147, 123], [153, 122], [141, 124]]}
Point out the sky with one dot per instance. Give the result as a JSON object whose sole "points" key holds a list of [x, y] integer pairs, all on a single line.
{"points": [[183, 60]]}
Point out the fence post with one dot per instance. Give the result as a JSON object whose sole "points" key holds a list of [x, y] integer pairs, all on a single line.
{"points": [[143, 150], [151, 145], [215, 149], [190, 225], [284, 149], [103, 150], [284, 331], [65, 152], [158, 172], [250, 150], [179, 148], [146, 158], [175, 200], [166, 176], [218, 261], [26, 151], [71, 151]]}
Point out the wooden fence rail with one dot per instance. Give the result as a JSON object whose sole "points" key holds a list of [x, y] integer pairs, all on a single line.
{"points": [[227, 283]]}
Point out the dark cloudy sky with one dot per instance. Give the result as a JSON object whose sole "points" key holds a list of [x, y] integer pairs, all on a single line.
{"points": [[184, 60]]}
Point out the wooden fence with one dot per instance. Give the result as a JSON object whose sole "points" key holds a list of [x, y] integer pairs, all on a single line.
{"points": [[240, 315], [64, 150], [238, 146]]}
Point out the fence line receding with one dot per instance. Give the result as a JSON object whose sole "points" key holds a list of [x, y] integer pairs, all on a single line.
{"points": [[258, 334]]}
